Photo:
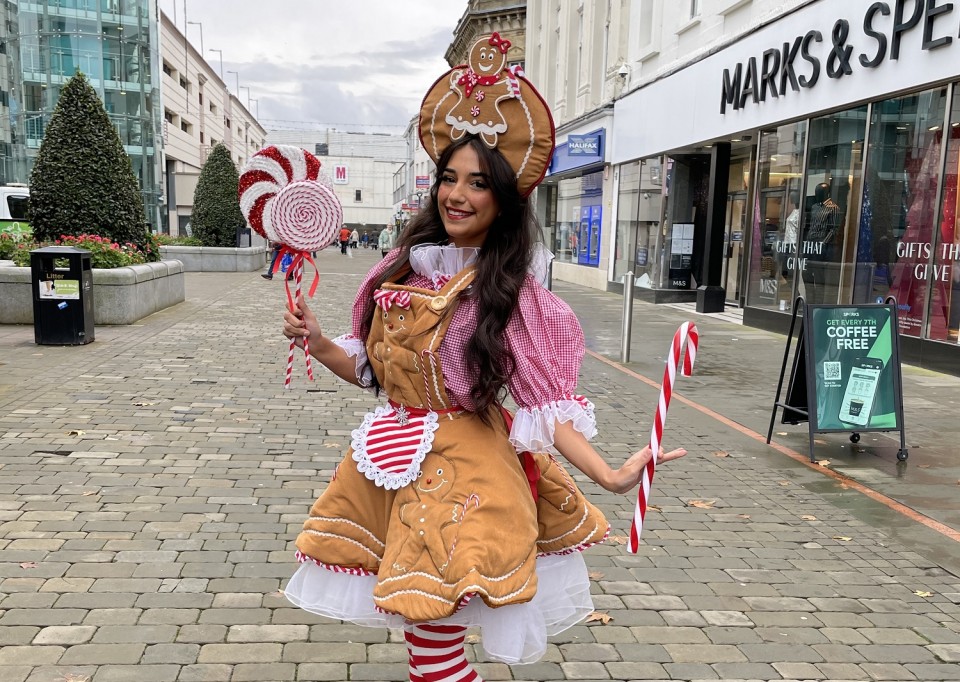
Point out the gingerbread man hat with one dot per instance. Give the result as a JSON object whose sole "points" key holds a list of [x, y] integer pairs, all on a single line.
{"points": [[496, 103]]}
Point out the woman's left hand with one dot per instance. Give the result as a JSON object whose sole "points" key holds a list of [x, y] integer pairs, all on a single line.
{"points": [[627, 477]]}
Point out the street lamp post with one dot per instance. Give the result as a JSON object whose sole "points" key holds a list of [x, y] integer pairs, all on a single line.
{"points": [[244, 87], [197, 23], [419, 199], [257, 102], [235, 73], [221, 61]]}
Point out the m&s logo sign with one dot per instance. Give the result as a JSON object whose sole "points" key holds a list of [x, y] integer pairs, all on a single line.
{"points": [[341, 175]]}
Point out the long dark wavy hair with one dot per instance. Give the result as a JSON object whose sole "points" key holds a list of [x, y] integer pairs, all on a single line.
{"points": [[502, 266]]}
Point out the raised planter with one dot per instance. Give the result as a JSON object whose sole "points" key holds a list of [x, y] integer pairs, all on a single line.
{"points": [[216, 258], [120, 295]]}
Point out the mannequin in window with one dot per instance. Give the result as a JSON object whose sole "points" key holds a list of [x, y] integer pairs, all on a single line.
{"points": [[819, 246]]}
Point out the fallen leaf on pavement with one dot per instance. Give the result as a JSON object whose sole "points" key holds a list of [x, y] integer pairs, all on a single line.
{"points": [[783, 482], [653, 507], [842, 538], [28, 564], [721, 453], [782, 433], [702, 504], [76, 432], [595, 575], [922, 593], [472, 639], [744, 516], [75, 677], [599, 616], [808, 517], [143, 404], [923, 466], [618, 539], [332, 445], [88, 493], [823, 462]]}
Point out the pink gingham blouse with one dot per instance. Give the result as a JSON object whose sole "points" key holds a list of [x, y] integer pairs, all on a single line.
{"points": [[544, 337]]}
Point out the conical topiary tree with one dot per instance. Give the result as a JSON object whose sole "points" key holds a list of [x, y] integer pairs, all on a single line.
{"points": [[216, 203], [83, 181]]}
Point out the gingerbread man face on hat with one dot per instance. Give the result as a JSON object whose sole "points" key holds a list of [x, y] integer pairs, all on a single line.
{"points": [[487, 59]]}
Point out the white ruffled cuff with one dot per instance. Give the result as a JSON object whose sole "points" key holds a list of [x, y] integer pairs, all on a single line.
{"points": [[533, 427], [355, 348]]}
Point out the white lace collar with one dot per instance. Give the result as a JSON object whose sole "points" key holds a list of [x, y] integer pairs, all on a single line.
{"points": [[430, 260], [435, 261]]}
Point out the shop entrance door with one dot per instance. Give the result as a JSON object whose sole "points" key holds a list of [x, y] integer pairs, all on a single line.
{"points": [[734, 246]]}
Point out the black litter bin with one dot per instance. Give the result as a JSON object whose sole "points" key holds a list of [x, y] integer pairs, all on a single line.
{"points": [[62, 282]]}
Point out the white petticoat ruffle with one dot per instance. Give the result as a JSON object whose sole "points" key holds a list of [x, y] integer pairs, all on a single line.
{"points": [[354, 348], [534, 427], [436, 260], [512, 634]]}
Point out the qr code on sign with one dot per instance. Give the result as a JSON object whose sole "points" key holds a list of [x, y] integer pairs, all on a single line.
{"points": [[831, 370]]}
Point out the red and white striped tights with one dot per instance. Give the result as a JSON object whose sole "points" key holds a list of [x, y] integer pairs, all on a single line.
{"points": [[437, 654]]}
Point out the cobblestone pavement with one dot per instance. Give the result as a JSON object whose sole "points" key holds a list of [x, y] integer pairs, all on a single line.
{"points": [[152, 482]]}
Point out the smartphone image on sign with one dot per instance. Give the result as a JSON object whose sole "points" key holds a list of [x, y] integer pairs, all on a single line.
{"points": [[861, 389]]}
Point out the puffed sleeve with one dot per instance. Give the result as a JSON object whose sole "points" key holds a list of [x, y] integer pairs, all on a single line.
{"points": [[547, 344], [354, 343]]}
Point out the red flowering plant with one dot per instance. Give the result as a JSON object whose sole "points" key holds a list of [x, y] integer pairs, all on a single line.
{"points": [[103, 252]]}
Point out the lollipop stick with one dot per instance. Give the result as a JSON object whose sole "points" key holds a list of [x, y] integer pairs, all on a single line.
{"points": [[306, 340]]}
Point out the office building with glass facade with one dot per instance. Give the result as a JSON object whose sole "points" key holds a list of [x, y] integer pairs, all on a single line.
{"points": [[817, 156], [115, 43]]}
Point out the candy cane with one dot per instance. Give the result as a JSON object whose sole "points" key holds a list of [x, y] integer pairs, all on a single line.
{"points": [[687, 333]]}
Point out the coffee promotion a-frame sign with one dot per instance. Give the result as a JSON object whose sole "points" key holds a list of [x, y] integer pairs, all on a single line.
{"points": [[845, 376]]}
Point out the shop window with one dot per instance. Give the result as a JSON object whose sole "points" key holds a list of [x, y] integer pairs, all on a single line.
{"points": [[899, 206], [775, 260], [638, 221], [831, 192], [943, 319], [358, 195]]}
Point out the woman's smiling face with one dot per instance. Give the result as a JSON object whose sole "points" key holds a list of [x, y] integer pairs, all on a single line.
{"points": [[466, 203]]}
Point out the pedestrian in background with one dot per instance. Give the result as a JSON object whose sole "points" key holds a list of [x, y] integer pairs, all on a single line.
{"points": [[463, 503], [365, 240], [354, 239], [387, 241], [344, 239]]}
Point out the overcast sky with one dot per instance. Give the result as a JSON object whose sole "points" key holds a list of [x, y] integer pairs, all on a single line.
{"points": [[314, 62]]}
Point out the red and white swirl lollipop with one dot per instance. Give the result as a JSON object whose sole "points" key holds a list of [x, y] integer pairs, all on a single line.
{"points": [[265, 174], [285, 199]]}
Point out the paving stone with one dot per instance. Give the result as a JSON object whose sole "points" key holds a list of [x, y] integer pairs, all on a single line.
{"points": [[183, 654], [30, 655], [65, 634], [322, 672], [103, 654], [140, 673], [267, 633], [207, 673], [264, 672], [239, 653], [948, 653]]}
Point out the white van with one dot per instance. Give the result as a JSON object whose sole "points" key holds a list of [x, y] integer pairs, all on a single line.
{"points": [[13, 209]]}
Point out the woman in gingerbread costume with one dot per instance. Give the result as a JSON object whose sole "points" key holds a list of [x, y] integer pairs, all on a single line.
{"points": [[448, 512]]}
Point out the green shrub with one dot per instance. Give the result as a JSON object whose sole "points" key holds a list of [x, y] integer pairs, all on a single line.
{"points": [[169, 240], [83, 176], [8, 244], [216, 202]]}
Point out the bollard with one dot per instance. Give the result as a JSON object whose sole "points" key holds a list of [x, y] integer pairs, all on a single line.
{"points": [[627, 317]]}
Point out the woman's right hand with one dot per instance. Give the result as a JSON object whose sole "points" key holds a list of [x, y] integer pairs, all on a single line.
{"points": [[301, 323]]}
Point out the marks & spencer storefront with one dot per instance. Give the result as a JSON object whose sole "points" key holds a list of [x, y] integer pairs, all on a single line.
{"points": [[828, 146]]}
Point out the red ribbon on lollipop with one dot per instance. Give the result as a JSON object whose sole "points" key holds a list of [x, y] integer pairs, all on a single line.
{"points": [[285, 199], [687, 333]]}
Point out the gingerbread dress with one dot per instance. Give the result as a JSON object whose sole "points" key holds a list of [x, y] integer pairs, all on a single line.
{"points": [[435, 516]]}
